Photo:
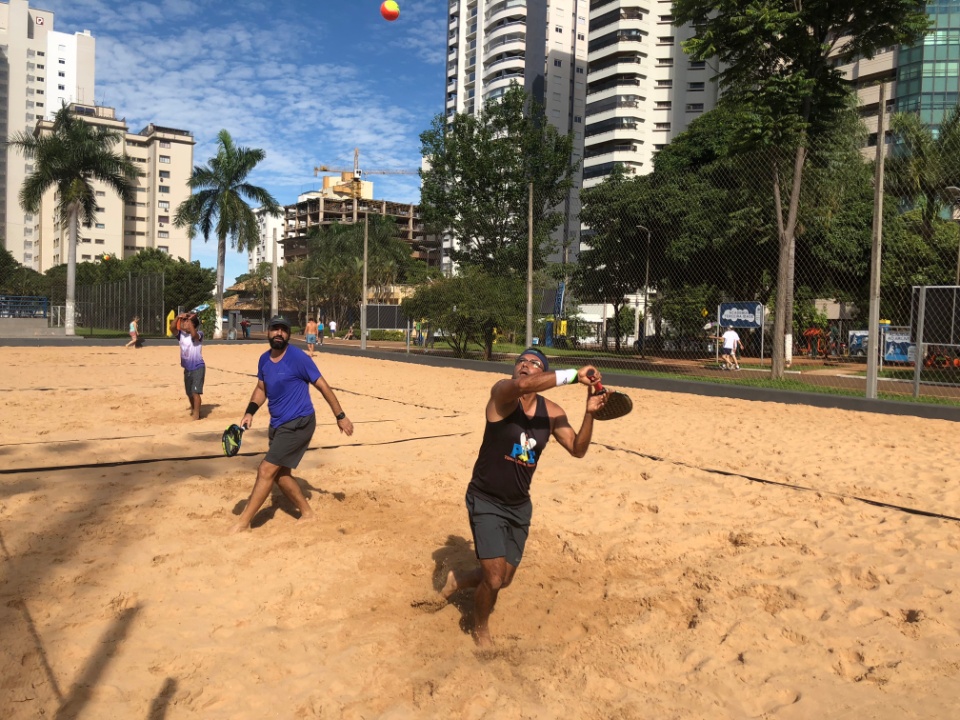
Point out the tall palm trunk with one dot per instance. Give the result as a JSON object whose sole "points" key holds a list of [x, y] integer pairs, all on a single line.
{"points": [[69, 324], [221, 268]]}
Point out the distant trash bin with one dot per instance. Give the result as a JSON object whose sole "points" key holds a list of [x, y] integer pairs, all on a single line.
{"points": [[231, 334]]}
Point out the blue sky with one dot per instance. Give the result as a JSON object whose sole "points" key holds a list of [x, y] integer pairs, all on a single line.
{"points": [[305, 81]]}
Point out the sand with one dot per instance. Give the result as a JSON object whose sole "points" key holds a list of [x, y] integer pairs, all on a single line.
{"points": [[652, 586]]}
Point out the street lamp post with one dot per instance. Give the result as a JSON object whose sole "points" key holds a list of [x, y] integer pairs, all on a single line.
{"points": [[646, 292], [363, 301], [308, 279]]}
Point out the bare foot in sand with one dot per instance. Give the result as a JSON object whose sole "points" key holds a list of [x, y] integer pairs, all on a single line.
{"points": [[451, 586], [238, 528], [308, 517], [483, 639]]}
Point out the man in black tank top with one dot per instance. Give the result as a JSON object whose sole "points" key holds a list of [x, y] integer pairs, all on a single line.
{"points": [[519, 424]]}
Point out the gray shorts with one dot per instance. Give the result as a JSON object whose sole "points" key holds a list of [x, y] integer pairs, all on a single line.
{"points": [[499, 530], [193, 380], [290, 441]]}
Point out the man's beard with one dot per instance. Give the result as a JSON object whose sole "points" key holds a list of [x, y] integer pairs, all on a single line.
{"points": [[278, 342]]}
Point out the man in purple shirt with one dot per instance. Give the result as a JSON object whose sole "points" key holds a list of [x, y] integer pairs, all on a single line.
{"points": [[187, 328], [284, 376]]}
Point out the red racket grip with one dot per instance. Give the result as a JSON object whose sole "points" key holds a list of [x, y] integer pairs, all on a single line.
{"points": [[599, 388]]}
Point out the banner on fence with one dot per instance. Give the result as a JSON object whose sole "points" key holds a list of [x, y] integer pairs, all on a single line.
{"points": [[744, 315]]}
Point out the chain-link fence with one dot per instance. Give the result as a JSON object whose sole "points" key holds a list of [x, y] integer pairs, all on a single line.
{"points": [[676, 266], [111, 306]]}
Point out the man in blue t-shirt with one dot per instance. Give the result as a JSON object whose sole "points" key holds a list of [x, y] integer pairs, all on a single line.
{"points": [[284, 376]]}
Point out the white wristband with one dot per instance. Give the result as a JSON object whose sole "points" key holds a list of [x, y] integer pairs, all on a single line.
{"points": [[565, 377]]}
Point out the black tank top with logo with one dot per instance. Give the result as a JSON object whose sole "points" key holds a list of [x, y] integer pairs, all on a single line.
{"points": [[509, 454]]}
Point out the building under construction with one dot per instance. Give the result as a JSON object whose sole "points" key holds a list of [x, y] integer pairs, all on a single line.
{"points": [[322, 208]]}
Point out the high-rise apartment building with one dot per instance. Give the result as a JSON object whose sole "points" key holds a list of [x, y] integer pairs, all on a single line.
{"points": [[269, 241], [642, 89], [40, 70], [540, 45], [165, 159]]}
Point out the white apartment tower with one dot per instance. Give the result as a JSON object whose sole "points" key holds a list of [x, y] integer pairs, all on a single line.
{"points": [[642, 89], [40, 70], [269, 241], [164, 157], [541, 45]]}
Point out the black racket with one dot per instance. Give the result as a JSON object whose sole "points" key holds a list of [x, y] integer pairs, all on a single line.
{"points": [[232, 437], [617, 405]]}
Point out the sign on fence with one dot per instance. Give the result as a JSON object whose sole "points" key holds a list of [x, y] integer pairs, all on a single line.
{"points": [[740, 315]]}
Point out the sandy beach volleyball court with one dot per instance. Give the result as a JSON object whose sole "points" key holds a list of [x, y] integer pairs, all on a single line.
{"points": [[652, 587]]}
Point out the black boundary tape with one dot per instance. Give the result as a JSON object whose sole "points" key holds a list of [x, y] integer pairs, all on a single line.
{"points": [[791, 486], [148, 461]]}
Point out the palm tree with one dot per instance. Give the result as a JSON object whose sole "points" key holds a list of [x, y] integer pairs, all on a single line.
{"points": [[69, 158], [925, 165], [219, 191]]}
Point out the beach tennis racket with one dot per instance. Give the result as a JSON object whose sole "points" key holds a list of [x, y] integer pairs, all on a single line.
{"points": [[618, 404], [232, 437]]}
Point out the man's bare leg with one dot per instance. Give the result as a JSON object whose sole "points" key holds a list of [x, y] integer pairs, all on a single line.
{"points": [[455, 582], [266, 474], [195, 401], [497, 574], [292, 490]]}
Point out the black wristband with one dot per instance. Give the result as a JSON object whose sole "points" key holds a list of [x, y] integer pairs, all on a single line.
{"points": [[340, 416], [252, 408]]}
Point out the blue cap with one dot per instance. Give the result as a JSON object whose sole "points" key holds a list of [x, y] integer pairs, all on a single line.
{"points": [[536, 353]]}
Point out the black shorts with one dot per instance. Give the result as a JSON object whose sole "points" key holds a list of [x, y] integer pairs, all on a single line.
{"points": [[499, 530], [193, 380], [290, 441]]}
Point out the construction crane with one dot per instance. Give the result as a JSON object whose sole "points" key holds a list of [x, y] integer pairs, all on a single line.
{"points": [[352, 188]]}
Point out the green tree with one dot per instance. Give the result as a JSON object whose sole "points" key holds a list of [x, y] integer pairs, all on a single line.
{"points": [[476, 188], [778, 61], [15, 279], [470, 308], [612, 262], [70, 158], [924, 164], [217, 205]]}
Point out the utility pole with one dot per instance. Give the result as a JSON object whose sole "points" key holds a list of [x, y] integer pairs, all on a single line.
{"points": [[363, 300], [530, 267], [274, 294], [874, 337]]}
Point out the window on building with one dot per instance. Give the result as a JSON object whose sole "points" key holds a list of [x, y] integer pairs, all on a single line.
{"points": [[40, 53], [61, 87], [663, 104], [579, 71], [128, 232], [695, 86], [165, 159], [698, 64], [40, 67], [163, 249], [581, 36], [62, 61], [164, 143], [98, 241], [577, 119], [164, 204], [664, 62], [85, 257], [664, 83], [164, 189], [61, 74], [557, 28], [163, 219], [100, 226], [165, 174], [661, 126], [694, 107], [666, 18], [665, 40], [558, 63], [163, 234]]}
